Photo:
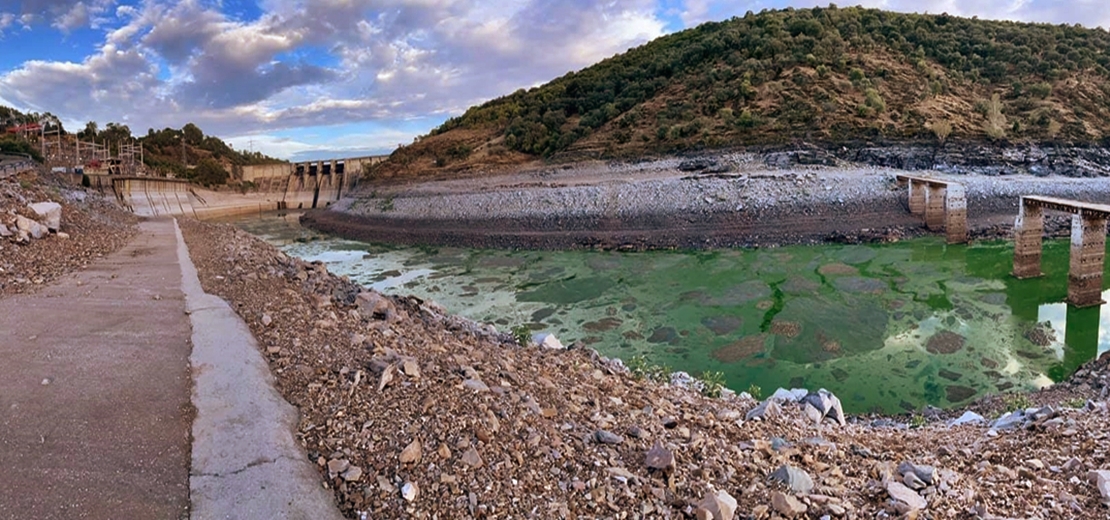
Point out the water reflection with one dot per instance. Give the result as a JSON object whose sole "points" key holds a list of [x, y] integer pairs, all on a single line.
{"points": [[1085, 333]]}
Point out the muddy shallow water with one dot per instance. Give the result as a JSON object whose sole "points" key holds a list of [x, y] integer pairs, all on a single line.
{"points": [[890, 327]]}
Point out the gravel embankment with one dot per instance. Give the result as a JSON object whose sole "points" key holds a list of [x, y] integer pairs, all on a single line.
{"points": [[91, 226], [655, 205], [411, 413]]}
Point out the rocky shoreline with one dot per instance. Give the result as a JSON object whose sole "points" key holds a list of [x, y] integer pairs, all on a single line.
{"points": [[409, 412], [723, 201]]}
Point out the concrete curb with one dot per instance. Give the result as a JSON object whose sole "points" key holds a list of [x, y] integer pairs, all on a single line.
{"points": [[245, 461]]}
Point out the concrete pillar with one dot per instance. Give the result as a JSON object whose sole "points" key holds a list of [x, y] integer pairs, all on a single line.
{"points": [[1088, 249], [1028, 229], [955, 214], [917, 197], [934, 206]]}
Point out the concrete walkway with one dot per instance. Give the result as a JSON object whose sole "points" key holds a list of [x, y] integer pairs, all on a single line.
{"points": [[94, 390], [246, 463], [97, 398]]}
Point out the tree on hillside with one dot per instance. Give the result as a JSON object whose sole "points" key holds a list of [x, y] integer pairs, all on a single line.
{"points": [[90, 132], [192, 133], [208, 173]]}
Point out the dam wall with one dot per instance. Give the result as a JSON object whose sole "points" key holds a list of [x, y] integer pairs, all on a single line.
{"points": [[304, 185]]}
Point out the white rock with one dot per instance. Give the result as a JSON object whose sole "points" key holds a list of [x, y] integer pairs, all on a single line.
{"points": [[30, 227], [900, 492], [793, 395], [547, 340], [410, 491], [4, 231], [968, 417], [1101, 479], [720, 505], [824, 404], [50, 214]]}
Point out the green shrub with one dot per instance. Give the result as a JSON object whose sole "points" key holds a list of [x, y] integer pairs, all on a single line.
{"points": [[1016, 401], [523, 335], [712, 383], [1040, 90]]}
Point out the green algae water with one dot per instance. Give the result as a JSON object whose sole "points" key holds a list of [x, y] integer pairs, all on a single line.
{"points": [[887, 327]]}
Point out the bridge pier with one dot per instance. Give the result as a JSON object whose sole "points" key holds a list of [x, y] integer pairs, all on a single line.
{"points": [[917, 192], [1088, 249], [1028, 229], [955, 214], [1088, 245], [934, 207], [943, 203]]}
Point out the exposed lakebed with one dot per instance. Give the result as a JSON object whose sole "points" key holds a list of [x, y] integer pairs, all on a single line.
{"points": [[888, 327]]}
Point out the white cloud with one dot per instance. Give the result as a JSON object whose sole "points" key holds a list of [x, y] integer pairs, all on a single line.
{"points": [[322, 62]]}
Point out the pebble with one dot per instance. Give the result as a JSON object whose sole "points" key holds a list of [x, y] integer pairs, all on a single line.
{"points": [[410, 491], [787, 505], [659, 458], [476, 385], [411, 453], [794, 478], [900, 492], [472, 459], [607, 437]]}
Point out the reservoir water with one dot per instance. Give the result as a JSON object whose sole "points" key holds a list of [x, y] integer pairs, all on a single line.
{"points": [[888, 327]]}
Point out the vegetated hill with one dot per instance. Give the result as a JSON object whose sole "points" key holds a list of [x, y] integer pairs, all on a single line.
{"points": [[186, 153], [823, 75]]}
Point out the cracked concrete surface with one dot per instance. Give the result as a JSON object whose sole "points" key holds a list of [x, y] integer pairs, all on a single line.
{"points": [[245, 461]]}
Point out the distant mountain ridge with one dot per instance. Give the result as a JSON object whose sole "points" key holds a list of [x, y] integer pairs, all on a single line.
{"points": [[822, 75]]}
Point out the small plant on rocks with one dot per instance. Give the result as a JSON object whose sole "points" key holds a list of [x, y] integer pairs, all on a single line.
{"points": [[522, 334], [917, 420], [641, 368], [755, 391], [712, 383], [1075, 402], [1016, 401]]}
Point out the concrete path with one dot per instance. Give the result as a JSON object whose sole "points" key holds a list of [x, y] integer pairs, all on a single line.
{"points": [[246, 462], [96, 388]]}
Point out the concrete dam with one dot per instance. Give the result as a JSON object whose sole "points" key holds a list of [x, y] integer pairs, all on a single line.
{"points": [[303, 185]]}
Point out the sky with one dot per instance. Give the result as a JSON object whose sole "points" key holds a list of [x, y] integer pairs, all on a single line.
{"points": [[306, 79]]}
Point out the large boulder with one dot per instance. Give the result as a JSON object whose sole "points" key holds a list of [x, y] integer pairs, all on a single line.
{"points": [[823, 403], [30, 227], [49, 213], [372, 304]]}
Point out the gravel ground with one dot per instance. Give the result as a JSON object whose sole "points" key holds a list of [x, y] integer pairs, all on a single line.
{"points": [[656, 205], [410, 413], [95, 227]]}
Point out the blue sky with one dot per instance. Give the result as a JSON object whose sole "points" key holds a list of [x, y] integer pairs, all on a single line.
{"points": [[331, 78]]}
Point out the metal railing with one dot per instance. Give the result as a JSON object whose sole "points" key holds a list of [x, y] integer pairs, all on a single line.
{"points": [[12, 164]]}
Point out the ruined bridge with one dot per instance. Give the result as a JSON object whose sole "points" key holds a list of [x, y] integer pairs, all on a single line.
{"points": [[944, 204], [1088, 245]]}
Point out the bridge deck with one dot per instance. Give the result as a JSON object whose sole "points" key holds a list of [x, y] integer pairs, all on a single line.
{"points": [[926, 180], [1070, 206]]}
